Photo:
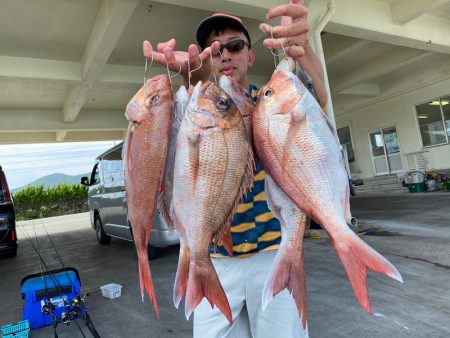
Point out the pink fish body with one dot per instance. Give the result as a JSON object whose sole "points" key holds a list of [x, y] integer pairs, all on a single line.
{"points": [[150, 115], [213, 168], [301, 152]]}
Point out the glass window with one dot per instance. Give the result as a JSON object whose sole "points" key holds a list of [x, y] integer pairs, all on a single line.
{"points": [[431, 124], [112, 166], [95, 175], [445, 104], [345, 138], [391, 140]]}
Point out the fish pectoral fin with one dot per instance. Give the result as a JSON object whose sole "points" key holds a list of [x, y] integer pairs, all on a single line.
{"points": [[194, 138], [224, 239]]}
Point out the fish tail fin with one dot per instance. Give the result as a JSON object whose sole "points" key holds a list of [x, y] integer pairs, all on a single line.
{"points": [[356, 256], [288, 272], [204, 282], [181, 278], [145, 279]]}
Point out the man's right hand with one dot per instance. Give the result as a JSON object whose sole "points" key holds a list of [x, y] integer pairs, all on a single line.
{"points": [[181, 62]]}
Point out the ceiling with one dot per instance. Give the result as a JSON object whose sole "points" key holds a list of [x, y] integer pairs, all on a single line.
{"points": [[68, 68]]}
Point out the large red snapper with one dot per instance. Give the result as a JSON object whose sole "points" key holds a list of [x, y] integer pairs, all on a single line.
{"points": [[213, 168], [150, 115], [301, 152]]}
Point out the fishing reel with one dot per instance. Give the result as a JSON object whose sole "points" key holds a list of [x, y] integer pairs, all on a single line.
{"points": [[48, 308], [65, 318], [77, 305]]}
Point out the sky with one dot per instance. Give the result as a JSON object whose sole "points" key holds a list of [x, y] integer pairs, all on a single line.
{"points": [[24, 163]]}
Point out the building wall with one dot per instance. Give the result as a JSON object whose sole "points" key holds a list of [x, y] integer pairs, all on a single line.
{"points": [[399, 112]]}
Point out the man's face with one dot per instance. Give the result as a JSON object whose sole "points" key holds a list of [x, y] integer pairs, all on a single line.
{"points": [[233, 64]]}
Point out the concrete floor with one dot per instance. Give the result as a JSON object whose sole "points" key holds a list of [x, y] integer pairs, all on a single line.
{"points": [[413, 232]]}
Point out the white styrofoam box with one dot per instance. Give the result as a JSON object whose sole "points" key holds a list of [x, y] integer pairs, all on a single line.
{"points": [[111, 290]]}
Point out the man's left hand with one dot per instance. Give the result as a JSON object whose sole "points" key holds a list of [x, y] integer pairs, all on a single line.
{"points": [[292, 34]]}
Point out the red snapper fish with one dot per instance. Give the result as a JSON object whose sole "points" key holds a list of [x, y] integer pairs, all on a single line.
{"points": [[301, 152], [213, 168], [150, 115]]}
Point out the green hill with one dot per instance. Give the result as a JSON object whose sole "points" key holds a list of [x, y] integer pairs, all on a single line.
{"points": [[52, 180]]}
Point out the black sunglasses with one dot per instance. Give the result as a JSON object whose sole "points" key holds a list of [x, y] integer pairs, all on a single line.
{"points": [[234, 46]]}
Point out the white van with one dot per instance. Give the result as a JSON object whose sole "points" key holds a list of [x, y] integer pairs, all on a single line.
{"points": [[108, 204]]}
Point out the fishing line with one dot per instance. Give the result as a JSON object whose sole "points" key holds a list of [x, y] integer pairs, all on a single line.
{"points": [[57, 253], [147, 67], [55, 282], [171, 76], [272, 50], [214, 64]]}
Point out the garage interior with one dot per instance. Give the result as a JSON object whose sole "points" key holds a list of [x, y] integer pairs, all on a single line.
{"points": [[68, 69]]}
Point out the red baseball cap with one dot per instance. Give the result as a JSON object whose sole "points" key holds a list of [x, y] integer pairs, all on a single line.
{"points": [[219, 21]]}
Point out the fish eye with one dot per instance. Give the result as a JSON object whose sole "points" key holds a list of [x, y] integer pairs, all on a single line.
{"points": [[154, 99], [222, 104], [267, 93]]}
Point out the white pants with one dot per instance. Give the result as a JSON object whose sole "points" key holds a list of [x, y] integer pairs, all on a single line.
{"points": [[243, 280]]}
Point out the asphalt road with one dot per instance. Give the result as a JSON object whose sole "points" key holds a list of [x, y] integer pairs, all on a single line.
{"points": [[411, 230]]}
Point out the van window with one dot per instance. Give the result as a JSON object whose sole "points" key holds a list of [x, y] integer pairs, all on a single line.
{"points": [[95, 179], [112, 166]]}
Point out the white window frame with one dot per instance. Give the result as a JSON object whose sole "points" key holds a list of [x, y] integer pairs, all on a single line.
{"points": [[442, 119]]}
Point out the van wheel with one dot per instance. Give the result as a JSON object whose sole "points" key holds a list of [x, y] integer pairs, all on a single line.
{"points": [[102, 238], [153, 252]]}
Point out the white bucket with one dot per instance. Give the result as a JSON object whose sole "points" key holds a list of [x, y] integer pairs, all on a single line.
{"points": [[111, 290]]}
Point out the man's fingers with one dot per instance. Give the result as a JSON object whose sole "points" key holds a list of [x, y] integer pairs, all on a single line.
{"points": [[163, 45], [171, 60], [292, 10], [297, 28], [298, 40], [193, 57], [147, 49], [295, 51]]}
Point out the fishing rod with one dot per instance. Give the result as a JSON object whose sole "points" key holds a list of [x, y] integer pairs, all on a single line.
{"points": [[48, 307], [78, 302], [76, 307]]}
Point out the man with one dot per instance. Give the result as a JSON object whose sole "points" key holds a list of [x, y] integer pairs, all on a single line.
{"points": [[255, 231]]}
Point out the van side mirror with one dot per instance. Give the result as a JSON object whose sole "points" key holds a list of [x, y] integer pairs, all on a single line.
{"points": [[84, 180]]}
